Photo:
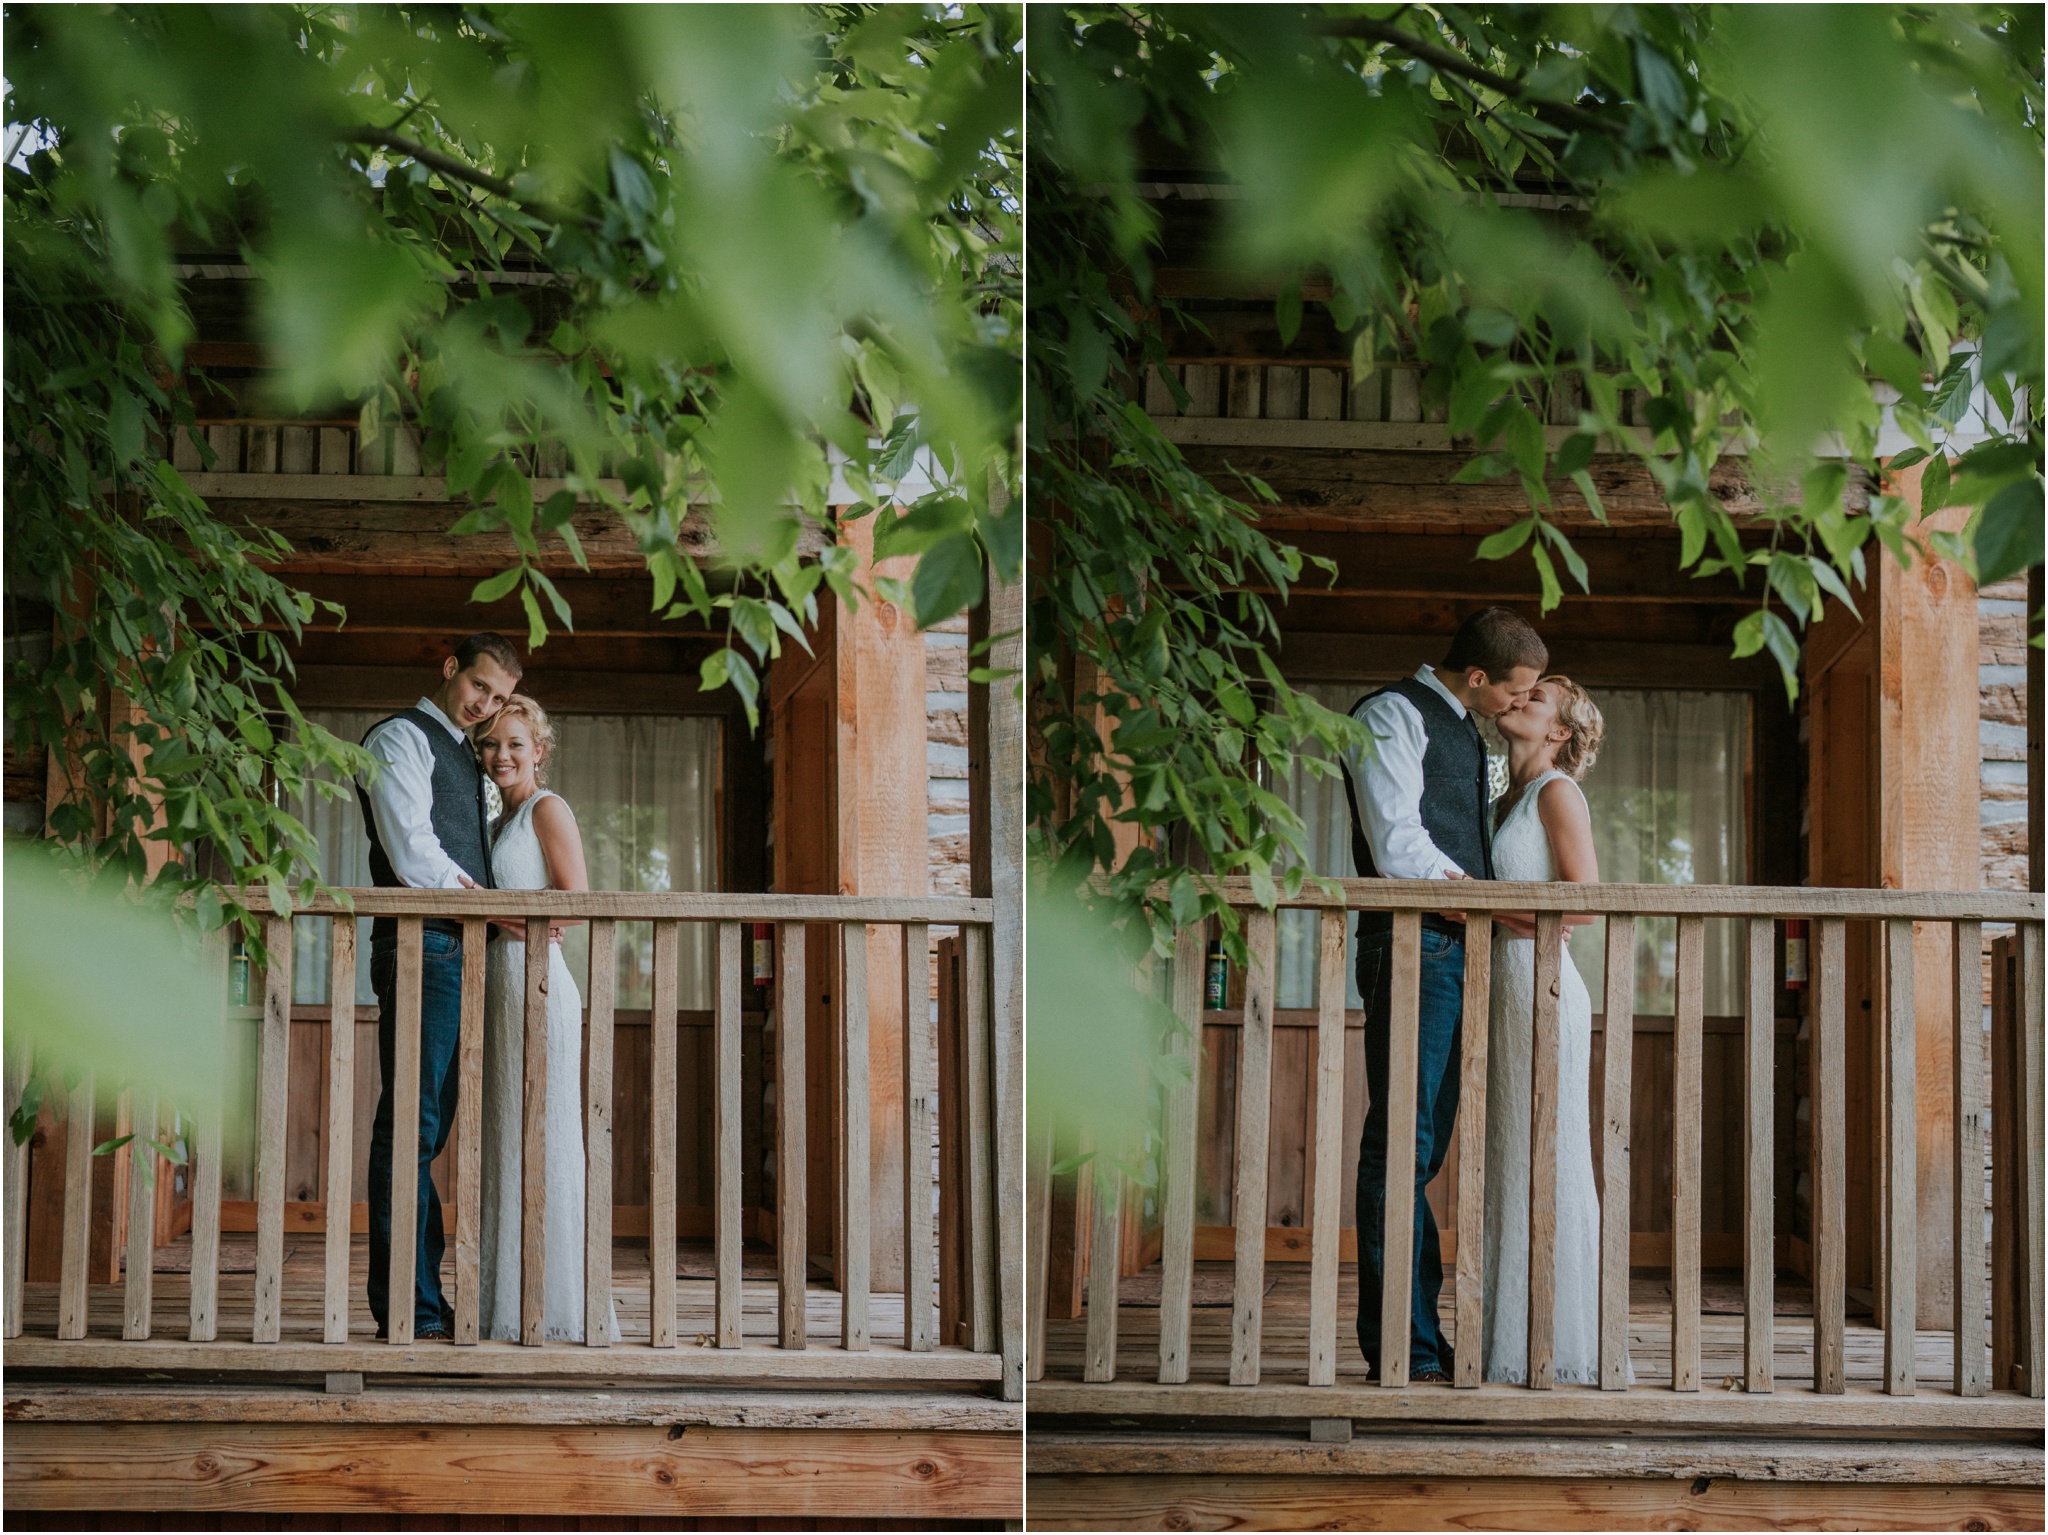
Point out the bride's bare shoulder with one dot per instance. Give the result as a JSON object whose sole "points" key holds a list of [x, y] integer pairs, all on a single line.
{"points": [[1562, 801]]}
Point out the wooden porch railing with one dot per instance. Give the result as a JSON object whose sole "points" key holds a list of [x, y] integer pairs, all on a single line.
{"points": [[971, 1202], [2016, 1044]]}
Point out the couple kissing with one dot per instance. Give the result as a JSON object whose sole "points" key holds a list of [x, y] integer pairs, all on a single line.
{"points": [[1422, 808], [425, 814]]}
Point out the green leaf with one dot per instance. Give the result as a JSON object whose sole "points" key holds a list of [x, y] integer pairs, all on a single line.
{"points": [[948, 578], [1575, 453], [536, 626], [1553, 594], [1498, 546], [495, 588], [1905, 460], [1522, 435], [1831, 582], [1568, 554], [1934, 482], [1287, 312], [1584, 481], [2008, 538]]}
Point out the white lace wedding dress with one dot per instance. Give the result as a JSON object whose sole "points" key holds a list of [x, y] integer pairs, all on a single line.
{"points": [[1521, 851], [517, 863]]}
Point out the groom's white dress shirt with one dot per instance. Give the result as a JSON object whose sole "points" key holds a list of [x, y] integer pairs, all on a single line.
{"points": [[402, 801], [1390, 784]]}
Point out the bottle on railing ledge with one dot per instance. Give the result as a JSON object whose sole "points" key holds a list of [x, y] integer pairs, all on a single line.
{"points": [[238, 975], [1216, 984], [761, 962]]}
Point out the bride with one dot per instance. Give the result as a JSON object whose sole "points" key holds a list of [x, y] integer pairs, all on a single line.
{"points": [[1542, 831], [536, 847]]}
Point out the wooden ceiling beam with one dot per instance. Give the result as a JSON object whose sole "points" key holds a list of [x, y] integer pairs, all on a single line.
{"points": [[1650, 622], [1310, 656], [440, 605]]}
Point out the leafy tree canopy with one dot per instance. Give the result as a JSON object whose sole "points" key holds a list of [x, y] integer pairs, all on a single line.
{"points": [[755, 243], [1789, 225]]}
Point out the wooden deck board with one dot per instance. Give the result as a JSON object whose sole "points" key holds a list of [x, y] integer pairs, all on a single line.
{"points": [[1285, 1352]]}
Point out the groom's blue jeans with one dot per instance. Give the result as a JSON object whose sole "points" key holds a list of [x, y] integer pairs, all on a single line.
{"points": [[1436, 1111], [440, 1030]]}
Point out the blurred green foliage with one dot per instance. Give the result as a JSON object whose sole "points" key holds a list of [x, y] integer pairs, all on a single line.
{"points": [[1787, 223], [752, 242]]}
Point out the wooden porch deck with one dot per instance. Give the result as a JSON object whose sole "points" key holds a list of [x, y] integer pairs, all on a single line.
{"points": [[300, 1347], [1284, 1339]]}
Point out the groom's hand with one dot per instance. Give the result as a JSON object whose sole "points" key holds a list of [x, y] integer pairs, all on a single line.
{"points": [[467, 882], [1453, 916]]}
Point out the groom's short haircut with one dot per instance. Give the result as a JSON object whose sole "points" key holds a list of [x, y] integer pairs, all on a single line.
{"points": [[1496, 641], [496, 646]]}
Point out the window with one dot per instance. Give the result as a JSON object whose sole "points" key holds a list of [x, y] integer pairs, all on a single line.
{"points": [[1669, 807], [645, 789]]}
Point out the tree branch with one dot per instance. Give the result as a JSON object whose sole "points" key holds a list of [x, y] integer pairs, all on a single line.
{"points": [[1452, 63], [455, 170]]}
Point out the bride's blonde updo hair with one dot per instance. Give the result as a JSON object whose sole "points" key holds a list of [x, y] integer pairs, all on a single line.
{"points": [[519, 706], [1581, 716]]}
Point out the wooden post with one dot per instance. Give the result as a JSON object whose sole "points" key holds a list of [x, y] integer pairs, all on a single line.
{"points": [[1398, 1237], [1617, 1104], [273, 1080], [1327, 1217], [726, 1137], [854, 1163], [919, 1084], [1177, 1162], [1254, 1110], [978, 1122], [203, 1147], [1543, 1104], [1038, 1223], [1474, 1027], [341, 1121], [597, 1137], [791, 1196], [661, 1130], [533, 1194], [2008, 1323], [2028, 1037], [1966, 1084], [405, 1135], [469, 1135], [1829, 1072], [1901, 1226], [1687, 1054], [14, 1238], [74, 1274], [1105, 1264], [141, 1256], [1759, 1258]]}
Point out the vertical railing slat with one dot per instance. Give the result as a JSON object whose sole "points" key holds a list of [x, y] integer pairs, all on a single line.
{"points": [[661, 1131], [1543, 1103], [725, 1116], [1901, 1224], [341, 1123], [73, 1274], [1617, 1115], [855, 1169], [1829, 1077], [14, 1236], [1688, 1059], [1966, 1083], [1474, 1027], [141, 1254], [920, 1082], [405, 1133], [202, 1170], [978, 1117], [1105, 1258], [597, 1137], [533, 1142], [1326, 1217], [1403, 1064], [469, 1134], [273, 1083], [1759, 1260], [1177, 1163], [792, 1212], [1254, 1111], [2029, 1041]]}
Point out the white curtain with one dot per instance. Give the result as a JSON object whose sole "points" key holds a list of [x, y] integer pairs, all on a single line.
{"points": [[1669, 807], [645, 792]]}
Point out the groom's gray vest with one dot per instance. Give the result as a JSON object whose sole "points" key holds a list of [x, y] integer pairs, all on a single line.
{"points": [[1454, 797], [458, 820]]}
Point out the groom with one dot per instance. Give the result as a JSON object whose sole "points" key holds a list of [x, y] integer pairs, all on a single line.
{"points": [[427, 829], [1419, 811]]}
